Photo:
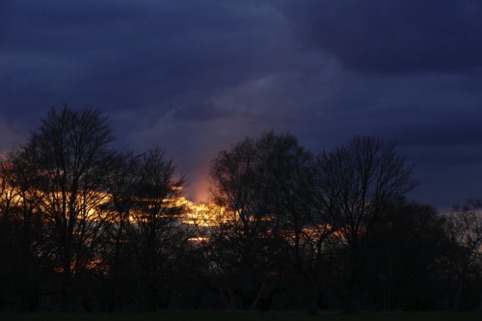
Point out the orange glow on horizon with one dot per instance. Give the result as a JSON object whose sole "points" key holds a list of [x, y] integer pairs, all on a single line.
{"points": [[204, 214], [200, 191]]}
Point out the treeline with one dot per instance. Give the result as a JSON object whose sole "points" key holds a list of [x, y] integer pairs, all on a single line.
{"points": [[85, 227]]}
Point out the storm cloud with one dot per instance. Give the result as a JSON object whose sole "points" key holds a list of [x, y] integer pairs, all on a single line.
{"points": [[395, 36], [194, 76]]}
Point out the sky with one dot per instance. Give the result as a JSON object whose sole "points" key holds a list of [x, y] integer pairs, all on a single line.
{"points": [[196, 76]]}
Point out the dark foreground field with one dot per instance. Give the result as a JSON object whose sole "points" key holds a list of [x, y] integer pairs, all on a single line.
{"points": [[226, 316]]}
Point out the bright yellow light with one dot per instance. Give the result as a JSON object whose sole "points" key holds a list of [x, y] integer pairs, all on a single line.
{"points": [[198, 239], [204, 214]]}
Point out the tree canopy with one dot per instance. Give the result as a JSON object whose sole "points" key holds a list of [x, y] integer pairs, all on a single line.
{"points": [[86, 227]]}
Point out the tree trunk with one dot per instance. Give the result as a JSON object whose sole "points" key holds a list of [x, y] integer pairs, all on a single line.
{"points": [[256, 300], [67, 290], [313, 299]]}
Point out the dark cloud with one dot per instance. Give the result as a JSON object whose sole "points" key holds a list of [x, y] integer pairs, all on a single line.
{"points": [[201, 111], [449, 132], [195, 76], [394, 36], [135, 53]]}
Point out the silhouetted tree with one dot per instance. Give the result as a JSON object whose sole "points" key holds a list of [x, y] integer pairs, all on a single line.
{"points": [[360, 180], [463, 264], [264, 184], [246, 247], [29, 247], [402, 255], [290, 187], [286, 227], [153, 231], [8, 246], [121, 184], [68, 153]]}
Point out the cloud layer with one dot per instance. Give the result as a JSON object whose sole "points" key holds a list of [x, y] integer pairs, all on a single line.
{"points": [[194, 76]]}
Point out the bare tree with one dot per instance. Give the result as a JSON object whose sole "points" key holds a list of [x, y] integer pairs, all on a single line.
{"points": [[402, 258], [261, 184], [69, 152], [359, 181], [238, 244], [30, 250], [290, 187], [154, 231], [464, 228], [121, 184]]}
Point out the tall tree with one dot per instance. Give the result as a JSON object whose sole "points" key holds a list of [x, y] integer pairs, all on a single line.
{"points": [[360, 180], [121, 184], [238, 244], [29, 247], [464, 261], [403, 254], [257, 182], [69, 152], [289, 179], [154, 233]]}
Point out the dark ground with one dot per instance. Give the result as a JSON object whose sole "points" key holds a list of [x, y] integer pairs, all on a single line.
{"points": [[241, 316]]}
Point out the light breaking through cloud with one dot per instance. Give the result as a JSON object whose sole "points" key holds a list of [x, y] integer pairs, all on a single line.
{"points": [[195, 77]]}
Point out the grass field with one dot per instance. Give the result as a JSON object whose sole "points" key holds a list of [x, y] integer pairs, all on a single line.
{"points": [[227, 316]]}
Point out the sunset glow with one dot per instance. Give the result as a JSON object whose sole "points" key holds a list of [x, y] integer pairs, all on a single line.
{"points": [[204, 214]]}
